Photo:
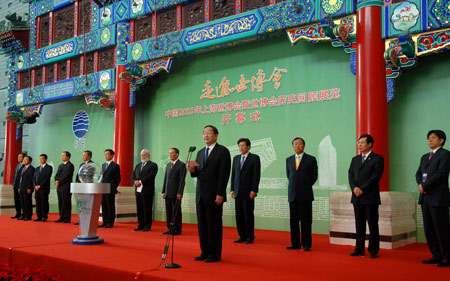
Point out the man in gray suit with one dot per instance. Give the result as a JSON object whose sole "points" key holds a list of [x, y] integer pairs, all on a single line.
{"points": [[172, 191]]}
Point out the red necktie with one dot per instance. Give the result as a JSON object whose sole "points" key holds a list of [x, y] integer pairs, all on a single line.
{"points": [[431, 155], [171, 167]]}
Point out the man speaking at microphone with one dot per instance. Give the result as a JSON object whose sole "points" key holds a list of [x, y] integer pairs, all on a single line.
{"points": [[212, 173]]}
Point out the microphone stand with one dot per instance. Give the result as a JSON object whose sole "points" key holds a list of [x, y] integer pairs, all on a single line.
{"points": [[171, 236]]}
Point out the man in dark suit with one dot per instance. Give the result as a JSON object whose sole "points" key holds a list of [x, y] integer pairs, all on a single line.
{"points": [[212, 173], [26, 189], [63, 178], [364, 176], [110, 174], [172, 191], [42, 176], [87, 158], [301, 171], [144, 181], [432, 180], [245, 176], [16, 185]]}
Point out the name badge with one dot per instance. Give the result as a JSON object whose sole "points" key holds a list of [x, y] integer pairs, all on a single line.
{"points": [[424, 177]]}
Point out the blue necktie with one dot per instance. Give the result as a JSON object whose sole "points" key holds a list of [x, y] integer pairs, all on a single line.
{"points": [[206, 155], [242, 161]]}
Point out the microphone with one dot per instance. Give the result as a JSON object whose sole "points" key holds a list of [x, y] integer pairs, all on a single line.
{"points": [[192, 149]]}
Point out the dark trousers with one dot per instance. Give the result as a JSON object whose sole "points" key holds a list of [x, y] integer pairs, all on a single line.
{"points": [[144, 204], [42, 203], [367, 213], [109, 209], [209, 219], [245, 219], [301, 212], [17, 200], [170, 209], [64, 205], [437, 230], [27, 204]]}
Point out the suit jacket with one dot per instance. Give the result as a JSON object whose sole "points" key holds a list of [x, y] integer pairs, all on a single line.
{"points": [[77, 179], [27, 179], [301, 180], [111, 174], [212, 176], [17, 174], [366, 176], [436, 185], [245, 180], [64, 175], [146, 176], [173, 178], [42, 178]]}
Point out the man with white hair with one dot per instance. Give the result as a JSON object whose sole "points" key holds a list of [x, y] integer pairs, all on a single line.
{"points": [[144, 181]]}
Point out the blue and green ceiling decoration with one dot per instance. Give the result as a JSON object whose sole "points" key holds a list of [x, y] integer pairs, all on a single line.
{"points": [[425, 20]]}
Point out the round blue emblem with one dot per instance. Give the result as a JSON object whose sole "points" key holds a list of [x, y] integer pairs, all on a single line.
{"points": [[80, 124]]}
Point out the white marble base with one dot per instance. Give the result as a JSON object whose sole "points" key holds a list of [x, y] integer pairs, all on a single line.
{"points": [[396, 221], [7, 200], [125, 205]]}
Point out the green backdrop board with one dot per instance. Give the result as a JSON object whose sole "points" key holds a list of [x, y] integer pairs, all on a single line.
{"points": [[53, 133], [421, 103], [170, 112], [269, 92]]}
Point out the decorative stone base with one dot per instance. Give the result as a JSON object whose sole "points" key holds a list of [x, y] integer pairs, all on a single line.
{"points": [[396, 221], [125, 205], [7, 200]]}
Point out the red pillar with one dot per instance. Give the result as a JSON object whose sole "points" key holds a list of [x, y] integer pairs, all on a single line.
{"points": [[12, 148], [372, 114], [123, 129]]}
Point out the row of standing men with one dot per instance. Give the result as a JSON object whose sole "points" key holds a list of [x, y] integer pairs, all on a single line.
{"points": [[212, 169]]}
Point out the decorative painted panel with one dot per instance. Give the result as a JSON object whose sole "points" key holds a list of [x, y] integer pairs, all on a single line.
{"points": [[137, 8], [99, 81], [438, 14], [106, 16], [404, 17]]}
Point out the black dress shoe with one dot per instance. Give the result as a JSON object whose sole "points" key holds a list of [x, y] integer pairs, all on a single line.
{"points": [[433, 260], [212, 259], [102, 225], [249, 241], [15, 217], [26, 219], [76, 223], [306, 249], [60, 220], [166, 233], [293, 247], [44, 220], [240, 240], [21, 218], [373, 255], [355, 253], [200, 258], [176, 233], [66, 221], [38, 219], [145, 229], [108, 226], [443, 263], [139, 228]]}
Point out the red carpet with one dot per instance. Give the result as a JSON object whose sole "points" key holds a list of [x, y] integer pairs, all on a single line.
{"points": [[128, 255]]}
